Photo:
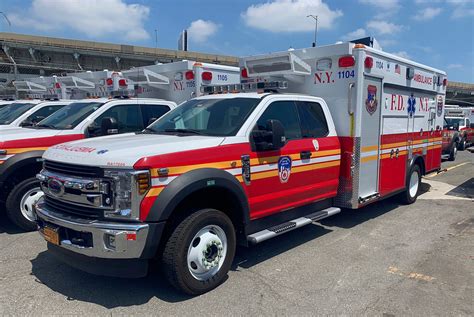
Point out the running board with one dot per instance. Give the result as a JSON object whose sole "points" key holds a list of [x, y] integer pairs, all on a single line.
{"points": [[291, 225]]}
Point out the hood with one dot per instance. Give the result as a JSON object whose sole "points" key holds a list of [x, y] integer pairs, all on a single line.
{"points": [[18, 133], [126, 149]]}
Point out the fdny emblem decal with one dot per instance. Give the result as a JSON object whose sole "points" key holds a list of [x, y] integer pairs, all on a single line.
{"points": [[411, 105], [439, 109], [284, 169], [102, 151], [371, 102]]}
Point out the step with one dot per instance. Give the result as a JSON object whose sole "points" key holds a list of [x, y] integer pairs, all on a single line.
{"points": [[291, 225]]}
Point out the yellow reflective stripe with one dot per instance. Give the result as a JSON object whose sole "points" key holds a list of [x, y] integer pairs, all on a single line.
{"points": [[237, 163], [370, 148], [25, 149], [387, 146], [155, 191]]}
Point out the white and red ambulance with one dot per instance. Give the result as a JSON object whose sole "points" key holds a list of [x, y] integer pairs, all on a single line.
{"points": [[178, 81], [461, 119], [307, 132]]}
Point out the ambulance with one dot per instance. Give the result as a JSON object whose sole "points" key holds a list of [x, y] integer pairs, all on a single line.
{"points": [[306, 133], [462, 119], [178, 81]]}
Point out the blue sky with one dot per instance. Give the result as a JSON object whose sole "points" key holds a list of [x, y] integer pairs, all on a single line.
{"points": [[438, 33]]}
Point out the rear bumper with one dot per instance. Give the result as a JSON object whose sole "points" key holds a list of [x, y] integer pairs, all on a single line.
{"points": [[99, 247]]}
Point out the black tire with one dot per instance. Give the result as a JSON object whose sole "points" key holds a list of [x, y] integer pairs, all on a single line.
{"points": [[453, 152], [406, 197], [175, 254], [12, 205], [462, 145]]}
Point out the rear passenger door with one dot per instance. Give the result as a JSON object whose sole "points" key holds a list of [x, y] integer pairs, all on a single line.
{"points": [[293, 175]]}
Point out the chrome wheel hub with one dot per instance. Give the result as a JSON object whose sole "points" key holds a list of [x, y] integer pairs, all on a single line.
{"points": [[207, 252], [413, 187], [29, 199]]}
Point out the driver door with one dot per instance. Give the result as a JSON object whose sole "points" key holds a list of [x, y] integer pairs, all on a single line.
{"points": [[291, 176]]}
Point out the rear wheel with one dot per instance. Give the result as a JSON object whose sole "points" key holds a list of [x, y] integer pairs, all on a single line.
{"points": [[20, 203], [199, 252], [453, 152], [413, 185]]}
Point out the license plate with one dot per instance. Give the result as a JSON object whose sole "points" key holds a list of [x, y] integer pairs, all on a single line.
{"points": [[51, 235]]}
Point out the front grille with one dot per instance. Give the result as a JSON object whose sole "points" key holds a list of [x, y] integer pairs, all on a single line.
{"points": [[64, 207], [73, 170]]}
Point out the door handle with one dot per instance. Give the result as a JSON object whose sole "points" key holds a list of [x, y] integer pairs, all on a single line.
{"points": [[305, 155]]}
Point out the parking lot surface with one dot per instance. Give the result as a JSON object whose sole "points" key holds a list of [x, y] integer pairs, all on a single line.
{"points": [[386, 259]]}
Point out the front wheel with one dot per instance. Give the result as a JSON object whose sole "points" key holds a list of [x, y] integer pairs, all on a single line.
{"points": [[453, 152], [20, 203], [199, 252], [413, 185]]}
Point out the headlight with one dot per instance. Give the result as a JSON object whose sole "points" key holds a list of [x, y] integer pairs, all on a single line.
{"points": [[129, 187]]}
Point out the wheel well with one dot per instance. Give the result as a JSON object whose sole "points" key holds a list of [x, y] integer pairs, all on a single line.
{"points": [[219, 198], [18, 175], [421, 163]]}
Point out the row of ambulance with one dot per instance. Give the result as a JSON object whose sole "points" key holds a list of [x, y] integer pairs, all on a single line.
{"points": [[282, 141]]}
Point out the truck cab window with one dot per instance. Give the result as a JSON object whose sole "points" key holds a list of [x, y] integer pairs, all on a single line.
{"points": [[128, 118], [150, 112], [313, 121], [286, 113], [42, 113]]}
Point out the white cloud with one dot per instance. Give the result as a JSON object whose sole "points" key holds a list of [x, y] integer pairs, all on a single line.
{"points": [[454, 66], [382, 4], [354, 35], [427, 14], [290, 15], [95, 19], [461, 8], [199, 31], [382, 27], [402, 54]]}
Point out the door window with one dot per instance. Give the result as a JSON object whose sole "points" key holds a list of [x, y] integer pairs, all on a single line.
{"points": [[313, 120], [150, 112], [128, 119], [286, 113], [42, 113]]}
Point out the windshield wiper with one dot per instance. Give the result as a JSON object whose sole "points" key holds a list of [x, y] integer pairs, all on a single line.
{"points": [[191, 131], [147, 131], [46, 126]]}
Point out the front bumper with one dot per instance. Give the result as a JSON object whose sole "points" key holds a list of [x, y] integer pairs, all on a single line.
{"points": [[93, 245]]}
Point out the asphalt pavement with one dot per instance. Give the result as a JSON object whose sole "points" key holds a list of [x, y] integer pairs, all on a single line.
{"points": [[386, 259]]}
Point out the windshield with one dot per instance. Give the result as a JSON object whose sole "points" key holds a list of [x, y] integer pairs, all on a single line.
{"points": [[10, 112], [454, 121], [215, 117], [70, 116]]}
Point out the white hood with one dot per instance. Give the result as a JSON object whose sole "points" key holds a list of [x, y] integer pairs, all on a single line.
{"points": [[25, 133], [126, 149]]}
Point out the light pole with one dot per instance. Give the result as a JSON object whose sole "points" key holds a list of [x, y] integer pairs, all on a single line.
{"points": [[6, 18], [315, 17]]}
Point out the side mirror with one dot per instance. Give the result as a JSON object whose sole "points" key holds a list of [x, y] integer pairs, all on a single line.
{"points": [[108, 125], [151, 120], [272, 138], [471, 125]]}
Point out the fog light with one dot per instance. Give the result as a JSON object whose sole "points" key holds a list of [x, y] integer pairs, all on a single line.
{"points": [[110, 241]]}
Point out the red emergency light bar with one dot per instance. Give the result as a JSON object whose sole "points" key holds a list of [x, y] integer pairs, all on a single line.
{"points": [[57, 85], [122, 82], [207, 76], [346, 61], [244, 73], [109, 81]]}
